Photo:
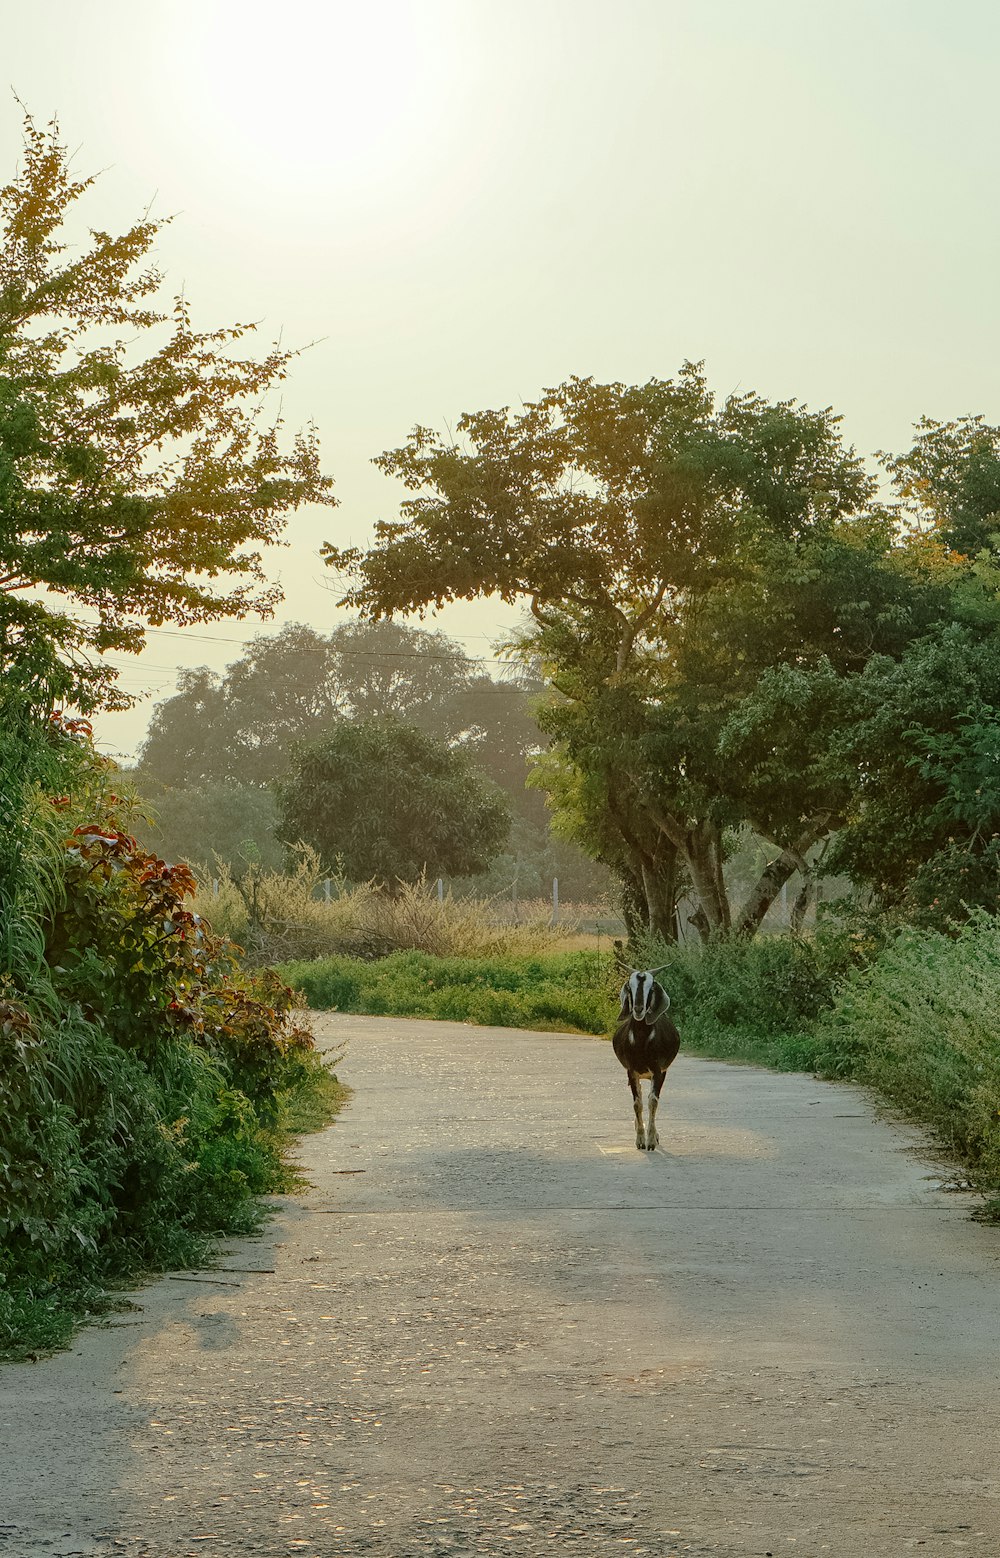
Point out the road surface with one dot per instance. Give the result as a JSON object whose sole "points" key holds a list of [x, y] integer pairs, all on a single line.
{"points": [[494, 1327]]}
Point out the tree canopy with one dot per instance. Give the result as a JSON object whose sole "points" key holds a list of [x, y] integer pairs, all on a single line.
{"points": [[677, 555], [294, 685], [139, 476], [381, 800], [220, 742]]}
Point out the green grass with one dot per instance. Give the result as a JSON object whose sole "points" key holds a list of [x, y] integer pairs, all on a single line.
{"points": [[919, 1027], [565, 992]]}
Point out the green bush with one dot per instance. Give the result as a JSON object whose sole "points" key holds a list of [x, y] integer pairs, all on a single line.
{"points": [[146, 1081], [568, 991], [756, 1001]]}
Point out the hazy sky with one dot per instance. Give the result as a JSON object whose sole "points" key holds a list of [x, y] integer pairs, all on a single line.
{"points": [[463, 203]]}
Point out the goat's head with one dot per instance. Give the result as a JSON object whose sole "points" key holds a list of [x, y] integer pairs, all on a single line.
{"points": [[642, 997]]}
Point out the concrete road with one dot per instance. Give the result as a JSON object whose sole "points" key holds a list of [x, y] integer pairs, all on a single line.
{"points": [[494, 1327]]}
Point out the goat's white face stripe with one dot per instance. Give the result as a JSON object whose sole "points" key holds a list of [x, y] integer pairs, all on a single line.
{"points": [[642, 996]]}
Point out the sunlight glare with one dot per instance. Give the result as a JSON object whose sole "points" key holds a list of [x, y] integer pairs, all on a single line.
{"points": [[317, 96]]}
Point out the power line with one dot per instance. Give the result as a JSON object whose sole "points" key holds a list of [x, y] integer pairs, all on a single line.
{"points": [[386, 654]]}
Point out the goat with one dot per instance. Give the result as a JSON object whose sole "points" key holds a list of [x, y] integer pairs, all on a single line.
{"points": [[646, 1042]]}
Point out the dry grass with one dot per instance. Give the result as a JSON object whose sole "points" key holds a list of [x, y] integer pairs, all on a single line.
{"points": [[277, 917]]}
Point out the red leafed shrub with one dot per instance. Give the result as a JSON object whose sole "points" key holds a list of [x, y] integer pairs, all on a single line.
{"points": [[125, 946]]}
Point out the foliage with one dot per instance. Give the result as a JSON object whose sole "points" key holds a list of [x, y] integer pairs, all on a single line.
{"points": [[918, 1025], [950, 482], [137, 487], [564, 992], [127, 951], [218, 822], [144, 1079], [756, 1001], [919, 755], [292, 687], [36, 756], [952, 884], [215, 746], [384, 801], [674, 551]]}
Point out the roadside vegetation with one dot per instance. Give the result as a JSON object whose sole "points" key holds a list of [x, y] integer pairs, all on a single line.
{"points": [[148, 1082], [563, 991], [279, 916]]}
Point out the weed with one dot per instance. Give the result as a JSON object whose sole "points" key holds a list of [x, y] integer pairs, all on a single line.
{"points": [[278, 917]]}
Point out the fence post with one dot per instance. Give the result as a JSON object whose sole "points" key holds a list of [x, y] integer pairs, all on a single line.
{"points": [[327, 889], [215, 887], [555, 900], [440, 889]]}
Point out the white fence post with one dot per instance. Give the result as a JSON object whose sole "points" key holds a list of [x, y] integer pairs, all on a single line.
{"points": [[555, 900], [215, 887], [440, 889], [327, 889]]}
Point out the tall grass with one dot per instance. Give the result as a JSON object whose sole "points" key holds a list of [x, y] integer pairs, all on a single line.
{"points": [[278, 917], [920, 1027], [32, 768]]}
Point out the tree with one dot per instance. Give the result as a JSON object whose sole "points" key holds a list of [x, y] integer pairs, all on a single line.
{"points": [[216, 821], [923, 748], [950, 482], [671, 551], [239, 729], [381, 800], [134, 489], [293, 686]]}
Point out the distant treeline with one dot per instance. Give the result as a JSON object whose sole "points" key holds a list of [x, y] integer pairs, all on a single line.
{"points": [[216, 763]]}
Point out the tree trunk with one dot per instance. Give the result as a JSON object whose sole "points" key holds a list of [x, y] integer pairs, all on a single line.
{"points": [[633, 903], [800, 907], [659, 881], [703, 853], [774, 876]]}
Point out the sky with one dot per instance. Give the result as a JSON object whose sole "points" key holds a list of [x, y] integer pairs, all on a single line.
{"points": [[456, 205]]}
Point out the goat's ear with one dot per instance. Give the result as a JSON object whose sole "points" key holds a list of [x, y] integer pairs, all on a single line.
{"points": [[662, 1005], [625, 997]]}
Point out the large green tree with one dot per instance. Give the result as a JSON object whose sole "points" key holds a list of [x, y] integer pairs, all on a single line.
{"points": [[922, 747], [671, 550], [381, 800], [139, 477]]}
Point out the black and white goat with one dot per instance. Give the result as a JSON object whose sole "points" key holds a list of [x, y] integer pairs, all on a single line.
{"points": [[646, 1042]]}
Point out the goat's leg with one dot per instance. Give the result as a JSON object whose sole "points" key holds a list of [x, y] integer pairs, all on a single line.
{"points": [[636, 1086], [652, 1138]]}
